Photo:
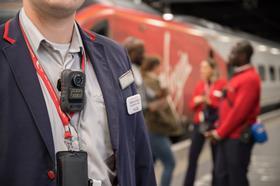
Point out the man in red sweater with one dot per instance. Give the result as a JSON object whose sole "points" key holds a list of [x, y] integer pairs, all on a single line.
{"points": [[238, 111]]}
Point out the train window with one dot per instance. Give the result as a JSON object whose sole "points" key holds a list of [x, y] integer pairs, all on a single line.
{"points": [[272, 73], [101, 27], [261, 70]]}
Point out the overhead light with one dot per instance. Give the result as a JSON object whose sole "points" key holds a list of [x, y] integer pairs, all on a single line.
{"points": [[274, 51], [262, 48], [167, 15]]}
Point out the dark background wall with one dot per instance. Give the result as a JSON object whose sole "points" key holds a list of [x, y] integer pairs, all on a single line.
{"points": [[259, 17]]}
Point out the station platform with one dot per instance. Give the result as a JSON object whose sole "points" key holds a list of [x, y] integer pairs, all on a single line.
{"points": [[265, 163]]}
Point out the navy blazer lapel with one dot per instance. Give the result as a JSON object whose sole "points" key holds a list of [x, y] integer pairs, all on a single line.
{"points": [[27, 80], [97, 55]]}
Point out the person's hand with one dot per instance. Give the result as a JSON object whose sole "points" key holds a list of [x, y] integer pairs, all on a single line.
{"points": [[212, 135], [199, 99]]}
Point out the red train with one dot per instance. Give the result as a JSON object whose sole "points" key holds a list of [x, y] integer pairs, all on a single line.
{"points": [[180, 46]]}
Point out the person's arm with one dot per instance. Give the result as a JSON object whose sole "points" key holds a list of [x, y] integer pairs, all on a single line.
{"points": [[158, 101], [246, 100], [157, 104], [197, 99]]}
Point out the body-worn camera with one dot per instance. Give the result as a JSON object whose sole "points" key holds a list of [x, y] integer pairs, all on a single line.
{"points": [[72, 90]]}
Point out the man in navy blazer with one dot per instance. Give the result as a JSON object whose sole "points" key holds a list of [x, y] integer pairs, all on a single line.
{"points": [[27, 153]]}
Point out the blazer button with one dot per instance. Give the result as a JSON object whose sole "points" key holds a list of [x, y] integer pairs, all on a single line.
{"points": [[51, 175]]}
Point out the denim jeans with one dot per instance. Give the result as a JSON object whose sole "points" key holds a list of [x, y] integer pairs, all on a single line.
{"points": [[161, 148]]}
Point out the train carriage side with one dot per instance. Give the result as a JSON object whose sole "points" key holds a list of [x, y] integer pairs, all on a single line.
{"points": [[179, 46]]}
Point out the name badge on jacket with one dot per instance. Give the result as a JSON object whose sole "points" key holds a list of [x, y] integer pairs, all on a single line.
{"points": [[133, 104], [126, 79]]}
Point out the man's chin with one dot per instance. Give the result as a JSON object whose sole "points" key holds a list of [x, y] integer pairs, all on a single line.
{"points": [[61, 9], [61, 12]]}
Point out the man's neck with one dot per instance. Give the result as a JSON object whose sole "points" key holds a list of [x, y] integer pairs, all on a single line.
{"points": [[242, 68], [54, 29]]}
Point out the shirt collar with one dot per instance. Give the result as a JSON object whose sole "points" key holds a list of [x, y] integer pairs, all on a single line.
{"points": [[36, 38], [76, 42], [33, 34], [242, 68]]}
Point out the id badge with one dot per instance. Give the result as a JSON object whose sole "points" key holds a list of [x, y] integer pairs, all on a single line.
{"points": [[72, 168], [133, 104]]}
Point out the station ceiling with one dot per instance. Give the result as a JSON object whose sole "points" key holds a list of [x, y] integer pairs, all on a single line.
{"points": [[258, 17]]}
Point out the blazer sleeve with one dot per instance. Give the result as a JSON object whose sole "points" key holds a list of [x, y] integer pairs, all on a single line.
{"points": [[246, 100], [144, 166]]}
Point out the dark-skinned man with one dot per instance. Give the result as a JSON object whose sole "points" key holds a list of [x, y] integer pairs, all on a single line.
{"points": [[239, 110]]}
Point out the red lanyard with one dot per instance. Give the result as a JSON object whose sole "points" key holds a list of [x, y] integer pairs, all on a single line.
{"points": [[64, 117]]}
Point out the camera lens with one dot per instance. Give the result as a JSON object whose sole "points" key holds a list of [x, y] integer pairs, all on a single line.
{"points": [[78, 80]]}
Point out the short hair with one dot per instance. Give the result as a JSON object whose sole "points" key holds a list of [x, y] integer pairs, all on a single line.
{"points": [[211, 59], [211, 62], [130, 43], [245, 47], [150, 63]]}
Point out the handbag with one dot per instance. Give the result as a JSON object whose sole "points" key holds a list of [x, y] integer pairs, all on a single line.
{"points": [[168, 119], [259, 133]]}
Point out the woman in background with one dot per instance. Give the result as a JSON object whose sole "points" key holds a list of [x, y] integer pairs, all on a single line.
{"points": [[204, 103], [159, 121]]}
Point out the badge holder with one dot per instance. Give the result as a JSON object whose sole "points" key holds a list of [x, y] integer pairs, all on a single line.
{"points": [[72, 169]]}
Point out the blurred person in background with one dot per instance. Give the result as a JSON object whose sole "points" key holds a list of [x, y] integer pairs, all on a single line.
{"points": [[238, 111], [204, 103], [136, 52], [159, 118]]}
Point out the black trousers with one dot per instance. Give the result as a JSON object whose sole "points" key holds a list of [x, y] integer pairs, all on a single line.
{"points": [[233, 158], [198, 141]]}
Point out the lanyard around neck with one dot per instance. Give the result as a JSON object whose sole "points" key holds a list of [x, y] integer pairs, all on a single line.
{"points": [[63, 116]]}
